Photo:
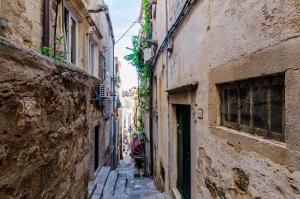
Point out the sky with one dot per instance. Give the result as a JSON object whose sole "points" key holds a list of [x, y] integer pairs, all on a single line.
{"points": [[123, 13]]}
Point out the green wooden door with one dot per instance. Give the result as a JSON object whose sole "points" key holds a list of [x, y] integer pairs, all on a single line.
{"points": [[183, 113]]}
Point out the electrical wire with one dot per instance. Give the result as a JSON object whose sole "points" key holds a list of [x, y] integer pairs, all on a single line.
{"points": [[184, 11], [131, 26]]}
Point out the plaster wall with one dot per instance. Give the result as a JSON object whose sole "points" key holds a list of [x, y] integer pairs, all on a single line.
{"points": [[107, 46], [223, 41], [106, 53], [162, 137]]}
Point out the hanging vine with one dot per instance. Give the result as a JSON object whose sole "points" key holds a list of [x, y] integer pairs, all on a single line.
{"points": [[143, 71], [146, 16]]}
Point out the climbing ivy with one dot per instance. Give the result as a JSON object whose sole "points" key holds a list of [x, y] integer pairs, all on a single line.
{"points": [[146, 14], [143, 70]]}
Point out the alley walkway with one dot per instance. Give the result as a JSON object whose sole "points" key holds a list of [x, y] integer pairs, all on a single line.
{"points": [[121, 184]]}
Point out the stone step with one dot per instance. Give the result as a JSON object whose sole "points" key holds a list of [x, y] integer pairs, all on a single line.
{"points": [[163, 196], [121, 185], [99, 183], [110, 184]]}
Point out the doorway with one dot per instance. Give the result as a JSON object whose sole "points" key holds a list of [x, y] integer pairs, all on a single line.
{"points": [[183, 116], [96, 148]]}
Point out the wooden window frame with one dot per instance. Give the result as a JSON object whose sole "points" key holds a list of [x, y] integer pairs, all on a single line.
{"points": [[268, 81], [75, 18]]}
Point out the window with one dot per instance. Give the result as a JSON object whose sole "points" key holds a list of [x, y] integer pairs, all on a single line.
{"points": [[92, 57], [162, 172], [255, 106], [71, 35]]}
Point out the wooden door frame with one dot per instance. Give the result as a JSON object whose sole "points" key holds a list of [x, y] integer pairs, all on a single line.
{"points": [[96, 148], [180, 98]]}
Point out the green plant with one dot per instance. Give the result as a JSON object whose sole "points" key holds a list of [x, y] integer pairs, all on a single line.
{"points": [[55, 53], [146, 14], [135, 58]]}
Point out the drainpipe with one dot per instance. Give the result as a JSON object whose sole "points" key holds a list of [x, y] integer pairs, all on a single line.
{"points": [[151, 125], [55, 27], [46, 24], [114, 119], [167, 82]]}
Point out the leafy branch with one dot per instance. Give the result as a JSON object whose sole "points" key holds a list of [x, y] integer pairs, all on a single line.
{"points": [[144, 72], [57, 54]]}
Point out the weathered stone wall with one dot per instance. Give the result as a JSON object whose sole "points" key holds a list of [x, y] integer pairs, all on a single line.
{"points": [[46, 121], [23, 25], [224, 41]]}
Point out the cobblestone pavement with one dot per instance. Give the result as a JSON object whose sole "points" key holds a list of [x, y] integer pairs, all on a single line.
{"points": [[130, 187]]}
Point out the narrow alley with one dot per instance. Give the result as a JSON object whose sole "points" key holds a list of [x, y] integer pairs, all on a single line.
{"points": [[149, 99], [123, 183]]}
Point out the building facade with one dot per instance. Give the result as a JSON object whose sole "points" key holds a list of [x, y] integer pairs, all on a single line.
{"points": [[118, 110], [106, 58], [225, 97], [54, 103], [129, 101], [128, 113]]}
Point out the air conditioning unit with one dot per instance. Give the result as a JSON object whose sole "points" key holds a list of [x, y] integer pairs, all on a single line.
{"points": [[102, 92]]}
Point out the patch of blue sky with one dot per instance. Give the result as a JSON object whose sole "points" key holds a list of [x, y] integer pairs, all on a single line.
{"points": [[123, 13]]}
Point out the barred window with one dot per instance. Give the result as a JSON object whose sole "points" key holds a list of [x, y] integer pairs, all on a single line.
{"points": [[255, 106]]}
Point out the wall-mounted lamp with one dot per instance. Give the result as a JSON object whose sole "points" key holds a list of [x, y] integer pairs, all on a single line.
{"points": [[170, 46]]}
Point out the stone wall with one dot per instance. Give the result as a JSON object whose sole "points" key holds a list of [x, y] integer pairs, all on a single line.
{"points": [[46, 121], [23, 25], [21, 21], [219, 42]]}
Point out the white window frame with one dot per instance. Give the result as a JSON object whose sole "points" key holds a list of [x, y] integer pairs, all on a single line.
{"points": [[75, 18], [92, 47], [94, 64]]}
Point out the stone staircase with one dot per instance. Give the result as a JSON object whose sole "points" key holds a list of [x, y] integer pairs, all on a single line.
{"points": [[121, 184], [96, 187]]}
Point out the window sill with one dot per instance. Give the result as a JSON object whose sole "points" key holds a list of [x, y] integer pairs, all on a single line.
{"points": [[257, 137], [272, 149]]}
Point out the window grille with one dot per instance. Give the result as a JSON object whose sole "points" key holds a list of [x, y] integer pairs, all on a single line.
{"points": [[255, 106]]}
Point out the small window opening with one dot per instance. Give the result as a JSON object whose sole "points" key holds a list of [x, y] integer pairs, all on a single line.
{"points": [[162, 173], [255, 106]]}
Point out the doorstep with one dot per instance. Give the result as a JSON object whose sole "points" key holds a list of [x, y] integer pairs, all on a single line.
{"points": [[176, 194]]}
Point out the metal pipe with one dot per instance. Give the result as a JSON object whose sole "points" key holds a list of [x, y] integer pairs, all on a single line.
{"points": [[167, 78], [55, 28], [150, 125], [114, 109], [46, 24]]}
